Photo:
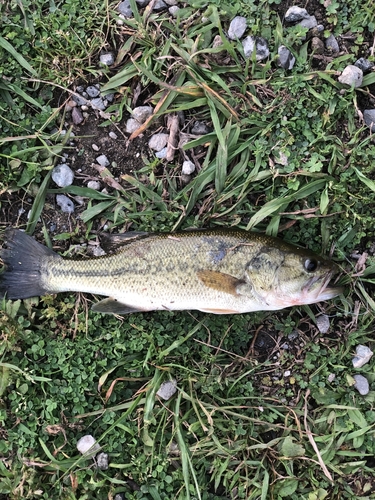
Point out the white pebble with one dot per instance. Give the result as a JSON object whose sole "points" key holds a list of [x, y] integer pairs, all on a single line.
{"points": [[94, 185], [141, 113], [132, 125], [363, 356], [167, 389], [103, 160], [63, 175], [322, 322], [351, 76], [158, 141], [95, 147], [65, 203], [112, 135], [162, 153], [361, 384], [88, 446], [287, 373], [188, 167]]}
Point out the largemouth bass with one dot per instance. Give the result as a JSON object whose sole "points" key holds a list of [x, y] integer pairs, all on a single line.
{"points": [[215, 270]]}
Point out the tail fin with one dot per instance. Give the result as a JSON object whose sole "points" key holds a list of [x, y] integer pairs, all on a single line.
{"points": [[22, 258]]}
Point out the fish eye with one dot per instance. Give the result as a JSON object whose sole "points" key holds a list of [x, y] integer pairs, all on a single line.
{"points": [[311, 265]]}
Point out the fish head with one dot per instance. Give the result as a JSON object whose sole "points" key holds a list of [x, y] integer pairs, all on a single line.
{"points": [[289, 276]]}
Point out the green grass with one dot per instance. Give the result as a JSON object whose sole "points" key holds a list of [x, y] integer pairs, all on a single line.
{"points": [[239, 426]]}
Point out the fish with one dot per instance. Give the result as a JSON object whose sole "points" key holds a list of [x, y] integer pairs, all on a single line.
{"points": [[220, 271]]}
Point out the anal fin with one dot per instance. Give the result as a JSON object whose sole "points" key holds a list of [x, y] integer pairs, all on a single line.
{"points": [[113, 306]]}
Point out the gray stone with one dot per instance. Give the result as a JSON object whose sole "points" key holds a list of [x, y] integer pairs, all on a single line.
{"points": [[158, 141], [260, 45], [88, 446], [63, 175], [142, 113], [351, 76], [294, 14], [132, 125], [286, 58], [77, 116], [95, 147], [125, 9], [369, 117], [107, 58], [332, 45], [112, 135], [331, 377], [160, 5], [110, 97], [237, 27], [167, 389], [103, 160], [65, 203], [92, 91], [188, 167], [174, 10], [79, 99], [199, 128], [98, 103], [94, 185], [361, 384], [102, 461], [322, 322], [309, 22], [364, 64], [171, 2], [162, 153], [363, 356]]}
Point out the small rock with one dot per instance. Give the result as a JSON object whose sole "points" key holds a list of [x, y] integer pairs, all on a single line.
{"points": [[188, 167], [363, 356], [167, 389], [158, 141], [132, 125], [65, 203], [162, 153], [92, 91], [317, 46], [94, 185], [98, 251], [95, 147], [286, 58], [287, 373], [98, 103], [103, 160], [102, 461], [70, 105], [112, 135], [63, 175], [309, 22], [159, 5], [369, 117], [125, 9], [260, 45], [173, 10], [185, 179], [141, 113], [294, 14], [77, 116], [107, 58], [364, 64], [142, 3], [351, 76], [218, 41], [170, 2], [331, 44], [322, 322], [88, 446], [237, 27], [79, 100], [199, 128], [361, 384], [293, 335], [331, 377]]}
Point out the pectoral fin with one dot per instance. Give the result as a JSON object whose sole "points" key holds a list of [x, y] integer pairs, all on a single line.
{"points": [[220, 281], [113, 306]]}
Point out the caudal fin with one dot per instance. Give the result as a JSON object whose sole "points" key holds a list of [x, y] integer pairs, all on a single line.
{"points": [[22, 258]]}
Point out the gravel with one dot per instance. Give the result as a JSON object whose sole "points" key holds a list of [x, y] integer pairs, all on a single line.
{"points": [[188, 167], [237, 27], [63, 175], [92, 91], [332, 45], [286, 58], [309, 22], [199, 128], [107, 58], [364, 64], [158, 141], [260, 45], [363, 356], [98, 103], [294, 14], [102, 160], [142, 113], [77, 116], [125, 9], [369, 117], [361, 384], [88, 446], [102, 461], [65, 203], [322, 322], [167, 389], [351, 76]]}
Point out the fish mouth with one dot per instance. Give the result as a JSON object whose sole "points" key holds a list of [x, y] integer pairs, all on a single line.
{"points": [[319, 288]]}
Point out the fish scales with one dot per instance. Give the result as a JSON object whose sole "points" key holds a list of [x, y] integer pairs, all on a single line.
{"points": [[216, 271]]}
